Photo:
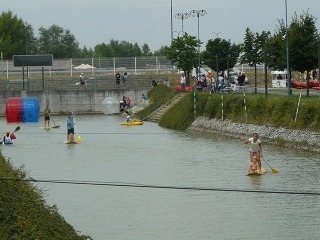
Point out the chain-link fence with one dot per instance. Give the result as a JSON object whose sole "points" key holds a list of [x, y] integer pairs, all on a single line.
{"points": [[91, 67]]}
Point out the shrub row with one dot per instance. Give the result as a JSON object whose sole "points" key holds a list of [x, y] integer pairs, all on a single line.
{"points": [[23, 212], [274, 110]]}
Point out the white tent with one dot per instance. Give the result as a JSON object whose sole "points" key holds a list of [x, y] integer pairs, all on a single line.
{"points": [[84, 66]]}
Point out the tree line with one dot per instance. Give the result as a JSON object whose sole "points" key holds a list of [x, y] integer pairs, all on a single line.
{"points": [[17, 37], [300, 39]]}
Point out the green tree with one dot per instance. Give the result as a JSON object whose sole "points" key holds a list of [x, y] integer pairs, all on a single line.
{"points": [[161, 52], [303, 39], [85, 52], [222, 50], [183, 53], [15, 35], [58, 42], [103, 50], [253, 50], [305, 42], [123, 49], [146, 50]]}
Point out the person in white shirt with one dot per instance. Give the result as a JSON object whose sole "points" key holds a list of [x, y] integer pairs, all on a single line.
{"points": [[183, 82]]}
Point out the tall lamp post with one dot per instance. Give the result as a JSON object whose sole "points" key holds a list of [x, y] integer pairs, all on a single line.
{"points": [[217, 60], [178, 33], [26, 43], [198, 14], [182, 16], [287, 53], [217, 33]]}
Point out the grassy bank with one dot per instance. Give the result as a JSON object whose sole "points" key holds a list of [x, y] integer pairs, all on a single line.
{"points": [[23, 212], [274, 110]]}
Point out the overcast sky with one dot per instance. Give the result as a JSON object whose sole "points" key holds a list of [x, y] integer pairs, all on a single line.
{"points": [[149, 21]]}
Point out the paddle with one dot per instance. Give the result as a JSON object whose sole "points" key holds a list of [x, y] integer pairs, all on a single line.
{"points": [[75, 128], [17, 129], [273, 169]]}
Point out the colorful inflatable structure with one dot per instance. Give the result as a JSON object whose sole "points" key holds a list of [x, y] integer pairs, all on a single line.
{"points": [[22, 109]]}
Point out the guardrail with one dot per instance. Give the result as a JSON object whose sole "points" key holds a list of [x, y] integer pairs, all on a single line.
{"points": [[99, 83]]}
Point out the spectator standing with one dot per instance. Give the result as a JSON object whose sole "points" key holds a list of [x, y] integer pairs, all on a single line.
{"points": [[314, 74], [241, 79], [124, 99], [81, 79], [128, 103], [124, 78], [144, 98], [154, 83], [118, 78], [183, 82], [279, 77]]}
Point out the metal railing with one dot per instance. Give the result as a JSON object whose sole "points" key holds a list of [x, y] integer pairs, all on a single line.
{"points": [[99, 83]]}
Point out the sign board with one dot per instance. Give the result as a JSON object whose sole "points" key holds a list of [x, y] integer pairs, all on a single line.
{"points": [[279, 79], [279, 83], [32, 60]]}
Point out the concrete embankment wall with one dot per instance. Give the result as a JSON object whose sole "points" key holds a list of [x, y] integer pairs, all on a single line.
{"points": [[80, 101]]}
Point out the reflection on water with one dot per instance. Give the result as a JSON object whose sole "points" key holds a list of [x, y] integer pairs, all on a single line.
{"points": [[152, 155]]}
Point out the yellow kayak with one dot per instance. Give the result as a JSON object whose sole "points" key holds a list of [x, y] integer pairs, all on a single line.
{"points": [[133, 123]]}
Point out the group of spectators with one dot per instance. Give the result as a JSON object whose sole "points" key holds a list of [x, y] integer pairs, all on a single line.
{"points": [[210, 84], [125, 103], [124, 78]]}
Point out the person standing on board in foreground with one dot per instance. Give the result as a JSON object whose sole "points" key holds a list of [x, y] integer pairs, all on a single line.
{"points": [[70, 124], [255, 148], [46, 114]]}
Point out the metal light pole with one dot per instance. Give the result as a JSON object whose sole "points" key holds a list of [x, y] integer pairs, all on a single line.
{"points": [[198, 13], [178, 33], [26, 33], [217, 33], [182, 16], [287, 53], [171, 23], [217, 59]]}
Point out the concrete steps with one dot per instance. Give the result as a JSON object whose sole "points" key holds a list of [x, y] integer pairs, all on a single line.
{"points": [[156, 115]]}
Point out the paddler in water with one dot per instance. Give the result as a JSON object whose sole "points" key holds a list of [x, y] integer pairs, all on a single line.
{"points": [[7, 139], [255, 148], [129, 118]]}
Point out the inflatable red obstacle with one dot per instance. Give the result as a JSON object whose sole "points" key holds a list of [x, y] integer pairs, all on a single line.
{"points": [[22, 109], [186, 89]]}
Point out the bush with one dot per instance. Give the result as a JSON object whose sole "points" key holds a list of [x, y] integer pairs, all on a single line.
{"points": [[274, 110], [23, 212]]}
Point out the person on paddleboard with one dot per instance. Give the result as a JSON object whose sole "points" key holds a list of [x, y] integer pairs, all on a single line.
{"points": [[70, 124], [254, 166], [7, 139], [46, 114], [71, 138], [255, 147]]}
